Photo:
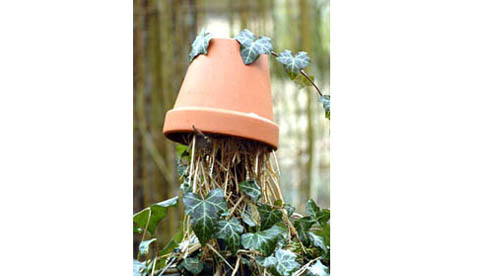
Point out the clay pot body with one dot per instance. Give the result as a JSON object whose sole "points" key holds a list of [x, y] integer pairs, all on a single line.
{"points": [[221, 95]]}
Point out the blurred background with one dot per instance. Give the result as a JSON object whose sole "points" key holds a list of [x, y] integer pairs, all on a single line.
{"points": [[163, 33]]}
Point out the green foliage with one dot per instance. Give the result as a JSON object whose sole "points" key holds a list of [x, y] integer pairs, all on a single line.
{"points": [[252, 48], [293, 64], [262, 241], [290, 209], [268, 262], [204, 213], [138, 268], [325, 100], [250, 188], [318, 269], [320, 216], [144, 246], [200, 44], [156, 212], [230, 232], [269, 216], [286, 263], [193, 264]]}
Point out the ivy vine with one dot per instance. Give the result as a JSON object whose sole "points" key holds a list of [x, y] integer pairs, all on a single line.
{"points": [[252, 47]]}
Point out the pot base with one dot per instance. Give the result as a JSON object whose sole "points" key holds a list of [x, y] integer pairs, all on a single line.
{"points": [[179, 121]]}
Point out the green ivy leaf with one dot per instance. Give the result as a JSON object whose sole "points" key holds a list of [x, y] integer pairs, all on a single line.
{"points": [[204, 213], [318, 269], [267, 262], [193, 264], [325, 100], [302, 226], [290, 209], [316, 241], [250, 48], [301, 81], [269, 216], [263, 241], [158, 212], [250, 188], [248, 220], [230, 232], [144, 245], [286, 263], [200, 44], [321, 216], [185, 187], [293, 64], [172, 244], [325, 234]]}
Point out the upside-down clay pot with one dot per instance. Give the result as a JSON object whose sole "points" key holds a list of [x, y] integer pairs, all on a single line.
{"points": [[221, 95]]}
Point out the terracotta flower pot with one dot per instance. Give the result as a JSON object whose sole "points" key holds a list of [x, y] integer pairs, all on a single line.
{"points": [[221, 95]]}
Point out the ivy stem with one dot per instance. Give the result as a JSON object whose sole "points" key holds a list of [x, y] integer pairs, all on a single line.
{"points": [[275, 54]]}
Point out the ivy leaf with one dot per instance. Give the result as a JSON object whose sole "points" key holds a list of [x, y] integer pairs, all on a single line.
{"points": [[172, 244], [157, 212], [193, 264], [293, 64], [321, 216], [318, 269], [138, 268], [290, 209], [204, 213], [200, 44], [267, 262], [325, 100], [248, 220], [269, 216], [230, 232], [301, 81], [316, 241], [144, 245], [250, 188], [286, 263], [263, 241], [302, 226], [250, 48], [185, 187]]}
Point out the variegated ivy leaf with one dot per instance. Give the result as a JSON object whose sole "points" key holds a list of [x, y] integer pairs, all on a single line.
{"points": [[263, 241], [316, 241], [286, 263], [230, 232], [267, 262], [250, 188], [269, 216], [156, 211], [302, 226], [318, 269], [250, 48], [321, 216], [293, 64], [200, 44], [144, 245], [325, 100], [138, 268], [204, 213], [193, 264], [248, 220]]}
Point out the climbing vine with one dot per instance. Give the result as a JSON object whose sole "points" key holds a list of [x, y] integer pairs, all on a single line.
{"points": [[251, 47], [236, 221]]}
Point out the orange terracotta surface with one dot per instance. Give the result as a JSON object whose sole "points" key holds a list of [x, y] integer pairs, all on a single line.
{"points": [[222, 95]]}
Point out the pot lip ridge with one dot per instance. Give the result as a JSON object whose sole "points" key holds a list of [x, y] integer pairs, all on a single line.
{"points": [[218, 121]]}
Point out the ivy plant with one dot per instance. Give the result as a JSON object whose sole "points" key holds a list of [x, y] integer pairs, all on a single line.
{"points": [[267, 238]]}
